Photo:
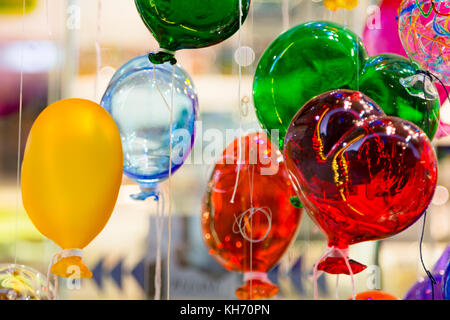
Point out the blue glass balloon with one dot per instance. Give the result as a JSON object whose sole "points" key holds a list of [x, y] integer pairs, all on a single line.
{"points": [[139, 98], [446, 283], [422, 289]]}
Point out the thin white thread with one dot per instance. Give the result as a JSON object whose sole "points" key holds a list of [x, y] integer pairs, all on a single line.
{"points": [[315, 276], [19, 136], [98, 52], [159, 90], [159, 223], [336, 288], [49, 31], [239, 105], [169, 224], [285, 13], [251, 180]]}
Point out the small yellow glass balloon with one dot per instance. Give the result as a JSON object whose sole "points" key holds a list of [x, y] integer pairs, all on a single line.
{"points": [[333, 5], [71, 175]]}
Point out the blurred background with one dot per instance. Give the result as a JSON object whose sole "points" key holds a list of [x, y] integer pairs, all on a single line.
{"points": [[55, 46]]}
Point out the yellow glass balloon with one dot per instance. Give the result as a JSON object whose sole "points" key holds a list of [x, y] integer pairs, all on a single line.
{"points": [[334, 5], [71, 175]]}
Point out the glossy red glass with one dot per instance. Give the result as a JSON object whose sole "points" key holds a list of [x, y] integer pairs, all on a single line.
{"points": [[362, 175], [250, 234]]}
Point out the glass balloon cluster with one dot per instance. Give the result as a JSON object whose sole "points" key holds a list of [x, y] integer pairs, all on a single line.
{"points": [[316, 57]]}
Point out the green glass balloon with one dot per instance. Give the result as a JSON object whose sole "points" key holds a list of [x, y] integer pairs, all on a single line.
{"points": [[316, 57], [380, 79], [190, 24], [302, 63]]}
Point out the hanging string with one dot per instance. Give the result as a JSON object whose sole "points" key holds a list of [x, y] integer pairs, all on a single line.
{"points": [[430, 276], [19, 135], [336, 292], [285, 13], [251, 179], [98, 52], [159, 223], [432, 77], [169, 223], [49, 31], [159, 89], [239, 102]]}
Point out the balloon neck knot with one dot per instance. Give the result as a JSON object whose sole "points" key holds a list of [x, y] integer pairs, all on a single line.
{"points": [[162, 56], [295, 201], [421, 85], [336, 261], [147, 191], [68, 264], [256, 286]]}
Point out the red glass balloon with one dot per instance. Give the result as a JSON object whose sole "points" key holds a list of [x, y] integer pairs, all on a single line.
{"points": [[362, 175], [250, 234]]}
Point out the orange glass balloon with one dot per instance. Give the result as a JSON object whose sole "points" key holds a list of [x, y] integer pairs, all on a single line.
{"points": [[374, 295], [71, 175], [251, 233]]}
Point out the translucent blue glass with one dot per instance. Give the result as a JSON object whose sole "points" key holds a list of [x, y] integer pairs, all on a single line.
{"points": [[139, 99]]}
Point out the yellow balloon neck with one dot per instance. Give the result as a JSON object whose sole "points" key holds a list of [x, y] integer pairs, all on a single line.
{"points": [[71, 267]]}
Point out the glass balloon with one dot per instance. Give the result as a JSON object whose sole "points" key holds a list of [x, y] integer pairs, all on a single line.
{"points": [[424, 30], [334, 5], [359, 171], [374, 295], [139, 99], [181, 24], [250, 234], [303, 62], [446, 282], [18, 282], [316, 57], [383, 79], [422, 289]]}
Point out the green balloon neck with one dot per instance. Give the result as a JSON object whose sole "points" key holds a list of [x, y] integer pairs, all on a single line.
{"points": [[162, 57]]}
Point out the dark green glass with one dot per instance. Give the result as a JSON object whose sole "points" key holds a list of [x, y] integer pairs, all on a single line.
{"points": [[302, 63], [190, 24], [316, 57], [380, 80]]}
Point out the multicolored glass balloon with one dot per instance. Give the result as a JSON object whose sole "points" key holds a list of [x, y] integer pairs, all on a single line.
{"points": [[316, 57], [18, 282], [250, 234], [381, 35], [139, 99], [359, 171], [424, 30], [180, 24]]}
